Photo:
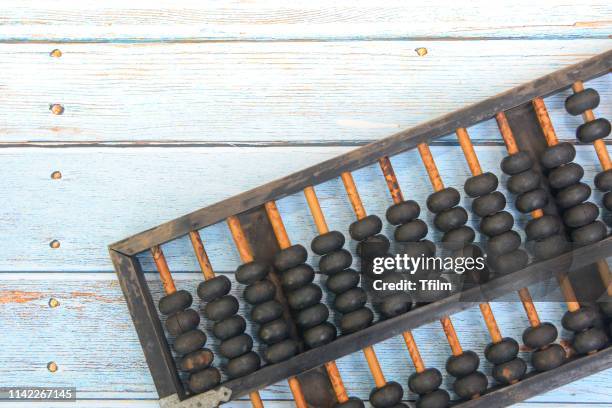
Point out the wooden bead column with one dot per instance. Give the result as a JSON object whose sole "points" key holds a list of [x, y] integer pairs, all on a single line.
{"points": [[502, 352], [255, 275], [236, 345], [304, 299], [425, 382], [182, 321], [583, 101]]}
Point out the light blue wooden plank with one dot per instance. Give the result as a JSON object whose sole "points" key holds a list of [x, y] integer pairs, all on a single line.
{"points": [[306, 92], [314, 20], [91, 338], [107, 194]]}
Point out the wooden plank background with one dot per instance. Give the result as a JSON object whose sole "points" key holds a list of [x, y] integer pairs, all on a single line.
{"points": [[175, 105]]}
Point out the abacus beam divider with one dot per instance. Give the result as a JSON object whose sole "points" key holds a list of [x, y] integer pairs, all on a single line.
{"points": [[472, 158], [209, 273], [246, 255], [284, 242]]}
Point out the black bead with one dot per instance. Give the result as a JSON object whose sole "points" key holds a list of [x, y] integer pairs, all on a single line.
{"points": [[580, 215], [230, 327], [443, 200], [386, 396], [196, 361], [236, 346], [572, 195], [290, 257], [335, 261], [425, 382], [312, 316], [416, 249], [509, 372], [459, 237], [605, 305], [365, 227], [547, 359], [403, 212], [607, 200], [510, 262], [578, 103], [580, 319], [240, 366], [324, 243], [590, 233], [281, 351], [221, 308], [350, 300], [343, 281], [304, 297], [252, 272], [266, 312], [481, 184], [182, 321], [204, 380], [496, 224], [471, 385], [554, 156], [260, 292], [463, 364], [502, 352], [566, 175], [524, 181], [450, 219], [355, 321], [550, 247], [589, 340], [319, 335], [352, 402], [297, 277], [603, 180], [214, 288], [190, 341], [274, 331], [435, 399], [531, 200], [503, 243], [412, 231], [540, 336], [174, 302], [371, 247], [395, 305], [489, 204], [593, 130], [516, 163], [542, 227]]}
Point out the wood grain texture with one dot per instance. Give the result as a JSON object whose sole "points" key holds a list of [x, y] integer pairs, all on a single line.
{"points": [[106, 194], [103, 358], [189, 20], [262, 93]]}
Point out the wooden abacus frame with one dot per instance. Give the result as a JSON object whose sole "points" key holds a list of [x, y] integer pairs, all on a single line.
{"points": [[249, 208]]}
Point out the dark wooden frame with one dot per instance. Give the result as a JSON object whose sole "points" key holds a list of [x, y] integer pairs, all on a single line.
{"points": [[248, 206]]}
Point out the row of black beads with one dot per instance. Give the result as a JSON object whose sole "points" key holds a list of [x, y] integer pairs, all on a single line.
{"points": [[544, 233], [504, 255], [580, 217], [182, 322], [410, 232], [450, 218], [229, 327], [274, 330], [577, 104]]}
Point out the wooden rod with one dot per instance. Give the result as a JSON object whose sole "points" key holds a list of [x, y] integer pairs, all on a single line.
{"points": [[277, 225], [413, 350], [164, 271], [602, 154], [468, 151], [451, 336], [489, 318], [530, 310], [545, 122], [201, 255], [336, 381], [296, 390], [430, 166], [392, 183], [506, 132], [255, 398], [353, 195], [315, 210], [379, 377], [244, 249], [604, 273]]}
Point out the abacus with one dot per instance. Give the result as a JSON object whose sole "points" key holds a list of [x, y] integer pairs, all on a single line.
{"points": [[300, 342]]}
